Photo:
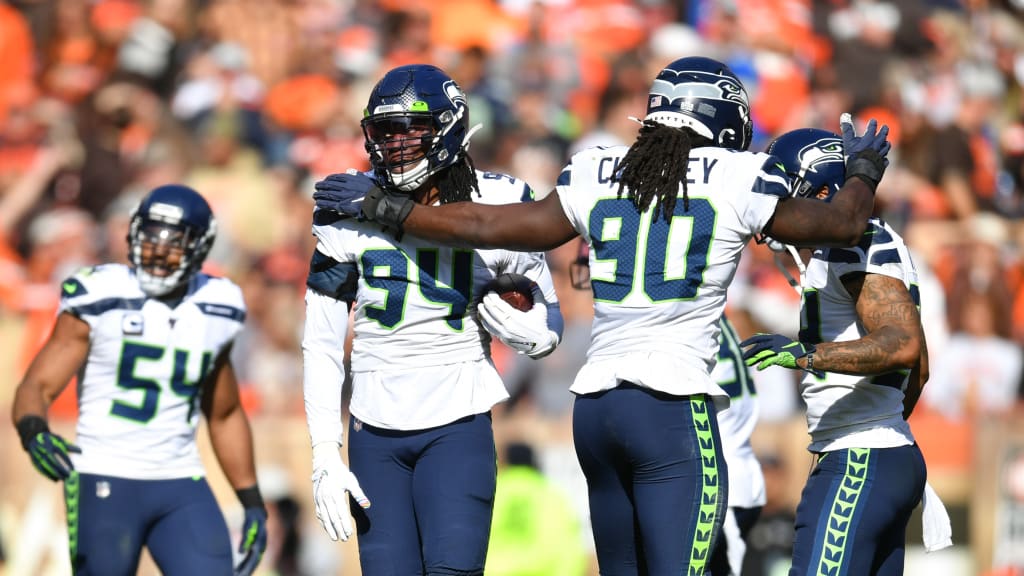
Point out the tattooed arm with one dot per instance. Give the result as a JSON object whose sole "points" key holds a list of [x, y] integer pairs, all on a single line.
{"points": [[918, 376], [894, 339]]}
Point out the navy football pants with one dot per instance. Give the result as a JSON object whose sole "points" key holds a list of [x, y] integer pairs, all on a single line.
{"points": [[111, 519], [656, 478], [853, 513], [431, 493]]}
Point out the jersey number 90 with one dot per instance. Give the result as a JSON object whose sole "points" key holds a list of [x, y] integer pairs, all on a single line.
{"points": [[623, 247]]}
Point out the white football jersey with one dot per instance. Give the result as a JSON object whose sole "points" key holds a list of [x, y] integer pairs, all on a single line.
{"points": [[736, 424], [659, 287], [419, 356], [139, 390], [844, 410]]}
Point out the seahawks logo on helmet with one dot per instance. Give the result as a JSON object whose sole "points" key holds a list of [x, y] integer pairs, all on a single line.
{"points": [[455, 94], [816, 155]]}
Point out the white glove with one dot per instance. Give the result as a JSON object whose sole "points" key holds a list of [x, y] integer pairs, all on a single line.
{"points": [[332, 483], [525, 332]]}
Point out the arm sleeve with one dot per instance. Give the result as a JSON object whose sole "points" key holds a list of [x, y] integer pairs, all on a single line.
{"points": [[323, 368]]}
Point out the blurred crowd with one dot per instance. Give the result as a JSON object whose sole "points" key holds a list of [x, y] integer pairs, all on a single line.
{"points": [[251, 101]]}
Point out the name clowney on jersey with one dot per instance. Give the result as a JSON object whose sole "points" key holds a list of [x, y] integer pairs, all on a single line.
{"points": [[419, 356], [844, 410], [139, 390], [660, 288]]}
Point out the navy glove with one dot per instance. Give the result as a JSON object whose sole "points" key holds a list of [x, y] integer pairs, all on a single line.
{"points": [[358, 196], [865, 154], [776, 350], [254, 532], [49, 452]]}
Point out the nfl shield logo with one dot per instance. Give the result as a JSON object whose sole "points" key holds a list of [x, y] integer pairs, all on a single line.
{"points": [[655, 102], [102, 489], [357, 425], [132, 324]]}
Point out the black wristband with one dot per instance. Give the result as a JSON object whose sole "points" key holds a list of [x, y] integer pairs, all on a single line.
{"points": [[869, 166], [250, 497], [29, 426], [390, 209]]}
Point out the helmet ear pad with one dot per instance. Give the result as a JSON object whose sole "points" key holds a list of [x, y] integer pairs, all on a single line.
{"points": [[170, 219], [407, 99], [814, 159], [704, 95]]}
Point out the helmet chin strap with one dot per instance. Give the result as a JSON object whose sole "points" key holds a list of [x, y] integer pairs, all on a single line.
{"points": [[793, 282], [469, 134]]}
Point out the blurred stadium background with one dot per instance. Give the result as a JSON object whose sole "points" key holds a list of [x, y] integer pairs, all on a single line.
{"points": [[251, 101]]}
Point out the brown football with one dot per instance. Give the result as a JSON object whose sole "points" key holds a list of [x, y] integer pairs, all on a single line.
{"points": [[515, 289], [518, 300]]}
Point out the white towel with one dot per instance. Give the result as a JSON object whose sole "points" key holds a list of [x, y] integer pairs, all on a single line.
{"points": [[938, 533]]}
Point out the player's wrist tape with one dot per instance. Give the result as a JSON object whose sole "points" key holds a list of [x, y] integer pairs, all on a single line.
{"points": [[29, 427], [250, 497], [868, 165], [388, 209]]}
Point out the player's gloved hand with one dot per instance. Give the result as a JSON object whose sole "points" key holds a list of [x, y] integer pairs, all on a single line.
{"points": [[333, 482], [49, 452], [776, 350], [358, 196], [254, 531], [525, 332], [865, 154]]}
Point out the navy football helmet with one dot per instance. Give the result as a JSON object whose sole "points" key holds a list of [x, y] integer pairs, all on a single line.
{"points": [[706, 96], [814, 161], [169, 236], [416, 123]]}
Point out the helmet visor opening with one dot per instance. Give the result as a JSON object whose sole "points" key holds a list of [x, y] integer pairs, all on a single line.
{"points": [[162, 248], [400, 141]]}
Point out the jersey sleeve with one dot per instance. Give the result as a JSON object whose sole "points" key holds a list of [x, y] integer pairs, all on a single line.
{"points": [[768, 185], [90, 292], [332, 269], [323, 368], [564, 189], [878, 252]]}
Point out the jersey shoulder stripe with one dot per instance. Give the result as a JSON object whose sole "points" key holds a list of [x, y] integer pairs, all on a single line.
{"points": [[339, 280], [879, 249], [222, 311], [106, 305], [98, 289], [771, 179]]}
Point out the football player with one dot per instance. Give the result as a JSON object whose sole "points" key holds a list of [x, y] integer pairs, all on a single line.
{"points": [[150, 343], [666, 220], [746, 480], [862, 348], [423, 384]]}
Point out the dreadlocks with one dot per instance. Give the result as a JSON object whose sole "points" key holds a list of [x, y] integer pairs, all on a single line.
{"points": [[656, 164], [457, 183]]}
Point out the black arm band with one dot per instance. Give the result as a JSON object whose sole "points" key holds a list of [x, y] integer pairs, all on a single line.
{"points": [[250, 497], [389, 209], [869, 166], [29, 426]]}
